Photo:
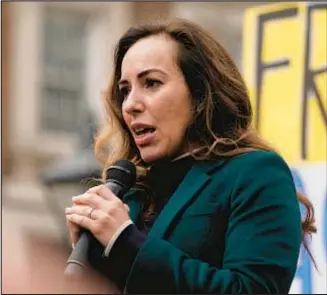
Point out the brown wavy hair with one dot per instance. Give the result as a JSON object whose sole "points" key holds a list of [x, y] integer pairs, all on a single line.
{"points": [[222, 109]]}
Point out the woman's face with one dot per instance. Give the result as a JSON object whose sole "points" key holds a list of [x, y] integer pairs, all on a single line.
{"points": [[157, 105]]}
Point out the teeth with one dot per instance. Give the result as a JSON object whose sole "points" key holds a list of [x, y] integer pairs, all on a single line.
{"points": [[139, 131], [143, 130]]}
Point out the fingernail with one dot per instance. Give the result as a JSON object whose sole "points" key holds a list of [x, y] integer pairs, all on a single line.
{"points": [[68, 210]]}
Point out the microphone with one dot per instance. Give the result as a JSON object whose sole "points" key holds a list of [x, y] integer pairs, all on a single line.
{"points": [[121, 177]]}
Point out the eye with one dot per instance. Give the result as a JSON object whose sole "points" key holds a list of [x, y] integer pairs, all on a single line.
{"points": [[124, 91], [150, 83]]}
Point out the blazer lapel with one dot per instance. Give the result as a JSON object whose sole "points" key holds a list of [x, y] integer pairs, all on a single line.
{"points": [[194, 181], [134, 200]]}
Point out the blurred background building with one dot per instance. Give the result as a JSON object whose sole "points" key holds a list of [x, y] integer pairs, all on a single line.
{"points": [[56, 62]]}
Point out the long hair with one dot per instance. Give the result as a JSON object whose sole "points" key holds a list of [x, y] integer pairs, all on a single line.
{"points": [[222, 109]]}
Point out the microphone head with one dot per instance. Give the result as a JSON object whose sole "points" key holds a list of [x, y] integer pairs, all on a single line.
{"points": [[123, 172]]}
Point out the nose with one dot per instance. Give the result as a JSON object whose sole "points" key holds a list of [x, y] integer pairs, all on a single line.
{"points": [[133, 103]]}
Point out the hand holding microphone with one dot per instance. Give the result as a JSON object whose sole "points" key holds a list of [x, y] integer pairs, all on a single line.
{"points": [[100, 211]]}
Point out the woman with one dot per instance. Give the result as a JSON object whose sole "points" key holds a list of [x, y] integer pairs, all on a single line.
{"points": [[214, 209]]}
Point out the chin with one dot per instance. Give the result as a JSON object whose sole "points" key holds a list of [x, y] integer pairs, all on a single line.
{"points": [[151, 156], [148, 158]]}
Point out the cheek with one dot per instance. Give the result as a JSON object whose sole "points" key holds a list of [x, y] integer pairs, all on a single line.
{"points": [[176, 121], [126, 118]]}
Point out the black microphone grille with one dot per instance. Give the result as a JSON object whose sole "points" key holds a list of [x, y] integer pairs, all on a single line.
{"points": [[122, 171]]}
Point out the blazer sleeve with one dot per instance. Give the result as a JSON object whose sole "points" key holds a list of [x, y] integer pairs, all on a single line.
{"points": [[262, 243]]}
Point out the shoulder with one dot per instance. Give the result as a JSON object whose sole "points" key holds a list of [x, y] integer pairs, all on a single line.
{"points": [[258, 162], [255, 169], [264, 173], [259, 158]]}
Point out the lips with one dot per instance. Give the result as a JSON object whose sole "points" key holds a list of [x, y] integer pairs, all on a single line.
{"points": [[143, 133], [140, 128]]}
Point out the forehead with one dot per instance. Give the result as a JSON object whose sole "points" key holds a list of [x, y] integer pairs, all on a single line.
{"points": [[152, 52]]}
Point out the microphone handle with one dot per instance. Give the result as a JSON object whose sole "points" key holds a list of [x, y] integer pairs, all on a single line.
{"points": [[77, 261]]}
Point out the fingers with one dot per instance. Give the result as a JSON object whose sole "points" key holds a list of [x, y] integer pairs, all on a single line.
{"points": [[74, 231], [99, 222], [104, 192], [74, 228], [99, 211], [90, 199], [98, 197], [93, 213], [80, 220], [80, 210], [94, 195]]}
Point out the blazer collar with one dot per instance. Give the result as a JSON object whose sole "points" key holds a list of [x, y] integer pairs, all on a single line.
{"points": [[197, 178]]}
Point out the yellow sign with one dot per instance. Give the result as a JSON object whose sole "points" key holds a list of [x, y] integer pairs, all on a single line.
{"points": [[285, 67]]}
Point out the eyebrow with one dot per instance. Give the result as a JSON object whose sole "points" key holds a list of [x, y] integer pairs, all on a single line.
{"points": [[142, 74]]}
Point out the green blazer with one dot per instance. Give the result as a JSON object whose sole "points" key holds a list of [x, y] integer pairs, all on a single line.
{"points": [[231, 227]]}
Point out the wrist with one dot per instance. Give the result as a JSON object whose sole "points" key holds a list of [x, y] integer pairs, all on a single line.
{"points": [[115, 237]]}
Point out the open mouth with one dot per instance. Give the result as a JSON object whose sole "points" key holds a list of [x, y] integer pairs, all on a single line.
{"points": [[144, 131]]}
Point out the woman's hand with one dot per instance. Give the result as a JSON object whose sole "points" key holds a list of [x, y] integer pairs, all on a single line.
{"points": [[99, 211]]}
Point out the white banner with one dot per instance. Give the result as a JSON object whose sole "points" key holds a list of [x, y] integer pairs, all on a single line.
{"points": [[311, 179]]}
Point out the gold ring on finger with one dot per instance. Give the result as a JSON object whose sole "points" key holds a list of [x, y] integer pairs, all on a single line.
{"points": [[90, 213]]}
